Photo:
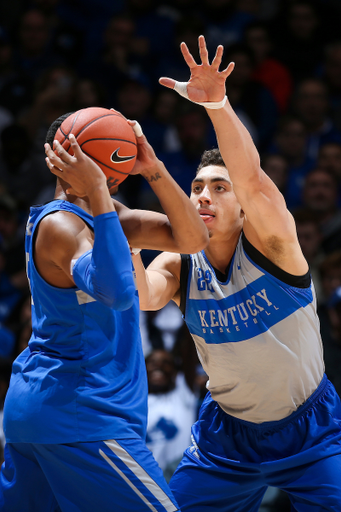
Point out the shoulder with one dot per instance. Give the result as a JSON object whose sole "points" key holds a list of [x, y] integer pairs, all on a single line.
{"points": [[60, 232], [61, 224]]}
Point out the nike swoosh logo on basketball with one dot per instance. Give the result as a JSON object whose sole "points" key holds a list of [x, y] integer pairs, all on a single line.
{"points": [[117, 159]]}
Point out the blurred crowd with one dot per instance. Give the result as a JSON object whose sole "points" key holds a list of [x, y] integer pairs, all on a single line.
{"points": [[58, 56]]}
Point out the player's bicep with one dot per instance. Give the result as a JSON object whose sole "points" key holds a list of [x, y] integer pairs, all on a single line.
{"points": [[163, 275], [266, 210], [60, 241]]}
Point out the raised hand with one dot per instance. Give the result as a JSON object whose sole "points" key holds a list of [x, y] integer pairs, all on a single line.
{"points": [[79, 171], [207, 83]]}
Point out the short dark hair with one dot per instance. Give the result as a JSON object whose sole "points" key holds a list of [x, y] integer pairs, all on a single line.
{"points": [[51, 132], [211, 157]]}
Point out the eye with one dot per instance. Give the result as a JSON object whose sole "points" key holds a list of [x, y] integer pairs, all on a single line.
{"points": [[196, 189], [220, 188]]}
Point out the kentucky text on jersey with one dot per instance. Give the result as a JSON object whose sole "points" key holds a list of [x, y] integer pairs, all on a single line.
{"points": [[247, 313]]}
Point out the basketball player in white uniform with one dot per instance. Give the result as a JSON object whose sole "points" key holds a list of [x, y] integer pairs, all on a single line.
{"points": [[271, 417]]}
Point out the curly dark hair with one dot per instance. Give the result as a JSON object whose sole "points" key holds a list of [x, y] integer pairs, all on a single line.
{"points": [[211, 157], [51, 132]]}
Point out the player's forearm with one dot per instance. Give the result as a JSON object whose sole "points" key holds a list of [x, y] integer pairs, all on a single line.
{"points": [[100, 200], [143, 285], [236, 146], [188, 230]]}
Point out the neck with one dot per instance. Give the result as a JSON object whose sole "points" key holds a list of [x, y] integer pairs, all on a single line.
{"points": [[60, 193], [220, 252]]}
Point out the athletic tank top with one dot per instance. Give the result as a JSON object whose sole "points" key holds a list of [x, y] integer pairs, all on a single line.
{"points": [[257, 336], [83, 374]]}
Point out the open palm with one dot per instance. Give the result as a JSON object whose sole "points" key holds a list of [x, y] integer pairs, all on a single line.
{"points": [[207, 83]]}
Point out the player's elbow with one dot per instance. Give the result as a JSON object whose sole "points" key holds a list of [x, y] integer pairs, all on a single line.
{"points": [[124, 300], [196, 244], [119, 296]]}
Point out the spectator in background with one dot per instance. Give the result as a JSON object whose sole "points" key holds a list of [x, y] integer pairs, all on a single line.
{"points": [[5, 375], [12, 242], [22, 170], [329, 157], [162, 330], [32, 51], [117, 60], [23, 336], [331, 337], [154, 29], [89, 93], [225, 22], [321, 198], [331, 73], [66, 38], [187, 29], [172, 408], [249, 98], [15, 87], [10, 296], [194, 135], [298, 38], [330, 278], [268, 70], [134, 100], [164, 109], [309, 237], [311, 105], [276, 167], [290, 142], [54, 95]]}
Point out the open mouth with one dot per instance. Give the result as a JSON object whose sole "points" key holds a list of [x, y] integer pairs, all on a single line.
{"points": [[206, 215]]}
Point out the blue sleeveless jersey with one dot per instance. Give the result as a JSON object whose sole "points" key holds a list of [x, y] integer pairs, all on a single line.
{"points": [[83, 375]]}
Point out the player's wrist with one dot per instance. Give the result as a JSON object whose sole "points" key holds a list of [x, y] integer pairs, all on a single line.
{"points": [[181, 88], [151, 170], [99, 193]]}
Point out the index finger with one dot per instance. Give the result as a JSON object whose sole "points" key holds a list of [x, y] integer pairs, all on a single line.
{"points": [[63, 155], [51, 155], [187, 56]]}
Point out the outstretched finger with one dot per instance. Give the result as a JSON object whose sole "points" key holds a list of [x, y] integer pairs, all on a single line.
{"points": [[167, 82], [228, 70], [187, 56], [63, 155], [203, 50], [78, 153], [217, 58], [55, 170], [52, 157]]}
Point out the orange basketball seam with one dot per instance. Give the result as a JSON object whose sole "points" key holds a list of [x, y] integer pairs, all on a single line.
{"points": [[91, 122], [108, 138]]}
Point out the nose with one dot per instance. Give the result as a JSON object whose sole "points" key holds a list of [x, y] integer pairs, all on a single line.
{"points": [[205, 196]]}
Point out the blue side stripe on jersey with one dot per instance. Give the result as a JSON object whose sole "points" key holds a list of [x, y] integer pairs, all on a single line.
{"points": [[245, 314]]}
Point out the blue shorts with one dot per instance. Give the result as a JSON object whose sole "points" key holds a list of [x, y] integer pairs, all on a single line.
{"points": [[232, 462], [83, 477]]}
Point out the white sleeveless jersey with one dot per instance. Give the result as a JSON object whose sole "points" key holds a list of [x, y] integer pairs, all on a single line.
{"points": [[257, 338]]}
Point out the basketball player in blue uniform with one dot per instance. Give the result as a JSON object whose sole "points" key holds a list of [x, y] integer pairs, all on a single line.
{"points": [[271, 417], [76, 409]]}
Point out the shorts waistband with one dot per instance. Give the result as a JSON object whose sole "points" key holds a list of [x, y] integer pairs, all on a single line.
{"points": [[268, 425]]}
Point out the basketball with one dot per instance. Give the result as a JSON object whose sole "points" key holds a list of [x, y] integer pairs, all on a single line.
{"points": [[106, 137]]}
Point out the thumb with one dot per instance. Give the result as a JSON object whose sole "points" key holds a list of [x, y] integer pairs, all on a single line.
{"points": [[167, 82]]}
